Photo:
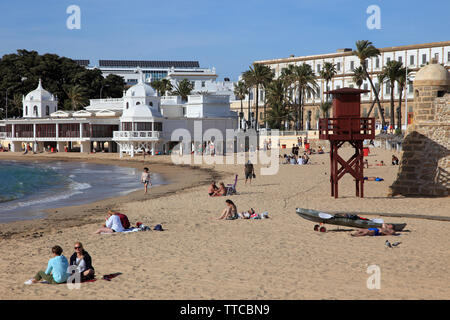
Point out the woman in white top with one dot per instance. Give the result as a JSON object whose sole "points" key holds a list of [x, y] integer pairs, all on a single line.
{"points": [[145, 179], [112, 224]]}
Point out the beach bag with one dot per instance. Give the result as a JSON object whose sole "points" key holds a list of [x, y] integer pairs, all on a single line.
{"points": [[124, 220]]}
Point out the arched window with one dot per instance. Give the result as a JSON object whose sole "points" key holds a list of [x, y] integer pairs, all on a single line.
{"points": [[35, 111], [47, 110], [151, 104], [138, 103], [26, 110], [127, 105]]}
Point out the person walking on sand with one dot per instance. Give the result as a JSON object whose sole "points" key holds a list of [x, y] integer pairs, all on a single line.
{"points": [[249, 171], [145, 179], [56, 269]]}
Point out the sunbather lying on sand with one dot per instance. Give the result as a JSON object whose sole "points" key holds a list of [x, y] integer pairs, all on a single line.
{"points": [[385, 230]]}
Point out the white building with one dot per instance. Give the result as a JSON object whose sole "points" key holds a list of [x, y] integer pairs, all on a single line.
{"points": [[139, 120]]}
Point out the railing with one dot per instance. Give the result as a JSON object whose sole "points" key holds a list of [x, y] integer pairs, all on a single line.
{"points": [[4, 135], [141, 135], [347, 128]]}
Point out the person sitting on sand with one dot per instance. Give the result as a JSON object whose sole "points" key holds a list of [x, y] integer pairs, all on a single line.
{"points": [[56, 269], [385, 230], [230, 212], [305, 158], [320, 150], [394, 160], [83, 261], [222, 191], [212, 188], [300, 160], [113, 224]]}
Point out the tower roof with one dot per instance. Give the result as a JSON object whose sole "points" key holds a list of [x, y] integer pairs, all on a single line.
{"points": [[432, 74], [39, 94]]}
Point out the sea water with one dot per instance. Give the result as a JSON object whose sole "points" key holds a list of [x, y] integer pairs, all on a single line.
{"points": [[28, 188]]}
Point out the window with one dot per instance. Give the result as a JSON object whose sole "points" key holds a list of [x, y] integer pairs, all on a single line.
{"points": [[365, 112], [352, 65], [138, 103], [400, 59], [203, 84], [26, 110], [388, 60], [338, 87], [436, 57], [35, 111], [151, 104], [366, 86], [318, 68], [351, 86], [411, 60], [388, 88], [377, 63], [424, 59], [410, 88], [338, 65], [448, 56], [127, 105], [47, 110], [157, 126], [376, 113], [387, 112]]}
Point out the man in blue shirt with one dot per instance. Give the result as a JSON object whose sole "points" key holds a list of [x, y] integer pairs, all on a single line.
{"points": [[56, 269]]}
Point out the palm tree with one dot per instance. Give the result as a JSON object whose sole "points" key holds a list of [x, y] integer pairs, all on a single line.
{"points": [[327, 73], [156, 84], [258, 75], [305, 82], [77, 96], [276, 99], [240, 91], [359, 76], [325, 107], [390, 73], [365, 50], [287, 76], [402, 80], [183, 89], [166, 86]]}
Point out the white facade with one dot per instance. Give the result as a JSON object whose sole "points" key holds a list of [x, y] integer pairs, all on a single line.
{"points": [[39, 103]]}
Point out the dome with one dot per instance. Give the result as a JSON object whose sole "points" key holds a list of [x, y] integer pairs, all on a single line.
{"points": [[140, 112], [432, 74], [141, 89], [39, 94]]}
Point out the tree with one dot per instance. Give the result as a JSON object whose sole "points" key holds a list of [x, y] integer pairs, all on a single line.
{"points": [[327, 73], [306, 83], [402, 80], [325, 107], [277, 103], [76, 97], [162, 86], [365, 50], [390, 73], [258, 76], [359, 76], [58, 74], [240, 90], [183, 89]]}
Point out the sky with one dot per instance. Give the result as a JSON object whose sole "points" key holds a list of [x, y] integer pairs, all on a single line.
{"points": [[227, 34]]}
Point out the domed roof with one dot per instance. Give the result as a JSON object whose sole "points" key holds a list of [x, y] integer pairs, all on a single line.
{"points": [[39, 94], [141, 89], [433, 74], [141, 112]]}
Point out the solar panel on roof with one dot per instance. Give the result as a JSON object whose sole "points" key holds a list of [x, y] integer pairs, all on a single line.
{"points": [[83, 63], [148, 64]]}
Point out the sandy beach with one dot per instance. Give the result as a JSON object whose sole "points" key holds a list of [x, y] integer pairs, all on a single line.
{"points": [[200, 257]]}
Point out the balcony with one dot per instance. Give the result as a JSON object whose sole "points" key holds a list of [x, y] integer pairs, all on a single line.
{"points": [[136, 135]]}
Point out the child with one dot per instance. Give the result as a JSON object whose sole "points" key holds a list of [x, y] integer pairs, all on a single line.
{"points": [[145, 179]]}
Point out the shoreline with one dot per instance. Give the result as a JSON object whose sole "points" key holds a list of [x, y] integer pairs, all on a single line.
{"points": [[59, 218]]}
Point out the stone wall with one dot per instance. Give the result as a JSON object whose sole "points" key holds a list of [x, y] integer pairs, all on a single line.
{"points": [[425, 160]]}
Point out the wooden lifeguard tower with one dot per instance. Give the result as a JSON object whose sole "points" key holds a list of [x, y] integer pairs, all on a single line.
{"points": [[346, 126]]}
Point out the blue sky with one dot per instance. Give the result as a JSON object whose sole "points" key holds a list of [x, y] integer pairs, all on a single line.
{"points": [[229, 34]]}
